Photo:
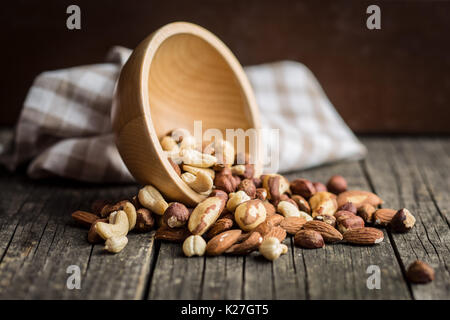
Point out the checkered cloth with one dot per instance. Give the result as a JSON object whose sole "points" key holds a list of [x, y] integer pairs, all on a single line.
{"points": [[65, 129]]}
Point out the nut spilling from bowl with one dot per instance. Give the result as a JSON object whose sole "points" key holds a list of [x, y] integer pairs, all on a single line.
{"points": [[244, 213]]}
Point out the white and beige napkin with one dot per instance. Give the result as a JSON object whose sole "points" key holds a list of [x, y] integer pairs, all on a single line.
{"points": [[64, 128]]}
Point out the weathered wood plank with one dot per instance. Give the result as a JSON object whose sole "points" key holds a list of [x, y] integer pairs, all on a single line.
{"points": [[338, 271], [397, 170], [46, 242], [223, 278], [175, 276]]}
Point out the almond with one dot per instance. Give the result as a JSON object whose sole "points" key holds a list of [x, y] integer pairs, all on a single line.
{"points": [[364, 236], [245, 247], [292, 224], [86, 219], [358, 198], [309, 239], [328, 233], [221, 225], [270, 209], [275, 219], [172, 234], [276, 232], [221, 242], [382, 217]]}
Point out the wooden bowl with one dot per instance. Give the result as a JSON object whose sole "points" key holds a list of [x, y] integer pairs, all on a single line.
{"points": [[178, 74]]}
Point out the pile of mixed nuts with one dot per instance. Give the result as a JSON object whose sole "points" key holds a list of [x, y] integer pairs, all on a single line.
{"points": [[243, 213]]}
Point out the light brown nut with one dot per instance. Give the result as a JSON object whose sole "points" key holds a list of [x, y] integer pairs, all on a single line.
{"points": [[118, 226], [366, 212], [359, 198], [303, 187], [205, 214], [201, 182], [116, 244], [364, 236], [337, 184], [323, 203], [287, 209], [248, 187], [257, 182], [179, 134], [151, 199], [320, 187], [277, 232], [420, 272], [245, 171], [270, 209], [343, 214], [250, 214], [402, 221], [194, 246], [382, 217], [172, 234], [328, 233], [292, 224], [175, 166], [309, 239], [144, 220], [271, 248], [350, 223], [196, 170], [235, 199], [261, 194], [275, 219], [130, 210], [176, 215], [221, 225], [331, 220], [195, 158], [302, 204], [275, 186], [221, 242], [225, 181], [93, 237], [251, 243], [169, 144], [348, 206], [84, 218], [223, 150]]}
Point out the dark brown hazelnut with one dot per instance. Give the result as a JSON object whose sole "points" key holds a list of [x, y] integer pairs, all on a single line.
{"points": [[343, 214], [302, 204], [176, 215], [257, 182], [248, 187], [331, 220], [349, 223], [402, 221], [337, 184], [366, 212], [348, 206], [303, 187], [261, 194], [320, 187], [420, 272], [144, 220]]}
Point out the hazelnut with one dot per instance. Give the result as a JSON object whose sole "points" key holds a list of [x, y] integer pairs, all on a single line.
{"points": [[319, 186], [420, 272], [343, 214], [303, 187], [257, 182], [248, 187], [176, 215], [331, 220], [348, 206], [349, 223], [309, 239], [366, 212], [337, 184], [250, 214], [194, 245], [402, 221], [144, 220], [261, 194], [275, 185], [302, 204]]}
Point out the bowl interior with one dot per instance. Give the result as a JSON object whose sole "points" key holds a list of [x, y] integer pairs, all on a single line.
{"points": [[190, 80]]}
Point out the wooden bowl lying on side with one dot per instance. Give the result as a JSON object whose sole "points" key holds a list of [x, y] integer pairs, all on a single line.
{"points": [[178, 74]]}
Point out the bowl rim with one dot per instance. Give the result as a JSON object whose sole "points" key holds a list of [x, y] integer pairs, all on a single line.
{"points": [[152, 46]]}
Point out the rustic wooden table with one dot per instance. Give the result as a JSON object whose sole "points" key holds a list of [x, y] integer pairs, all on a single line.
{"points": [[38, 241]]}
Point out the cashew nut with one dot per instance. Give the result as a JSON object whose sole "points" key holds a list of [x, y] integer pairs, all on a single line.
{"points": [[197, 159], [118, 226], [195, 170], [130, 210], [116, 244], [194, 246], [288, 209], [222, 150], [271, 248], [202, 182], [169, 144], [150, 198], [235, 199]]}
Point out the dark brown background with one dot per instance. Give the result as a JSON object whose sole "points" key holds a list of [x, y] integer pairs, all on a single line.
{"points": [[396, 79]]}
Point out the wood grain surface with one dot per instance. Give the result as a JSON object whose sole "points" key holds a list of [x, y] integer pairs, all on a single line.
{"points": [[38, 241]]}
